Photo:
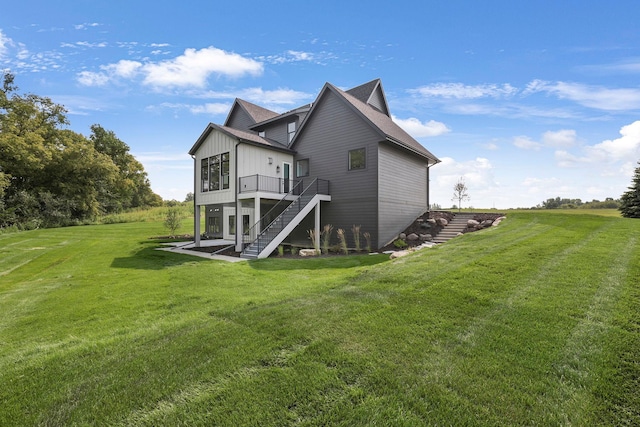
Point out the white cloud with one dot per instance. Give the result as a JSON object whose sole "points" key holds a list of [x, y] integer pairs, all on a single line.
{"points": [[208, 108], [5, 43], [268, 98], [195, 66], [462, 91], [192, 69], [563, 138], [477, 174], [124, 68], [418, 129], [623, 148], [490, 146], [597, 97], [526, 143], [608, 152], [89, 78], [85, 26]]}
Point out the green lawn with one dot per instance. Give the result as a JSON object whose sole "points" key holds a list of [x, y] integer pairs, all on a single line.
{"points": [[534, 322]]}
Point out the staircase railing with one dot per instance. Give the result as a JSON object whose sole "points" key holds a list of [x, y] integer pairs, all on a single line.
{"points": [[271, 230]]}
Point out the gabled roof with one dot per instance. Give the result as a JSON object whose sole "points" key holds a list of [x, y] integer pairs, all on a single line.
{"points": [[367, 93], [240, 135], [303, 110], [379, 121], [256, 112]]}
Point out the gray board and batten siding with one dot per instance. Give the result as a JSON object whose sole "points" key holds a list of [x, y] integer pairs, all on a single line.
{"points": [[402, 190], [329, 134]]}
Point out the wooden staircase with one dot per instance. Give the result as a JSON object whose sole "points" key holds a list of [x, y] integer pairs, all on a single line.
{"points": [[455, 227]]}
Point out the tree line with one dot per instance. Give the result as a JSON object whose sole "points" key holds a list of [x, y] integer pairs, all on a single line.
{"points": [[51, 176], [564, 203]]}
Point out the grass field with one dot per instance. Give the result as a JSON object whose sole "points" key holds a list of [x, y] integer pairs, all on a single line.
{"points": [[534, 322]]}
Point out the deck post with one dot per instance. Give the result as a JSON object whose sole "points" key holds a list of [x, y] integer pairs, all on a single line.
{"points": [[317, 225]]}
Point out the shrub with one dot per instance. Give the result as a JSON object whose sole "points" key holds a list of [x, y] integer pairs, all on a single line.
{"points": [[400, 243], [356, 236], [326, 237], [343, 241], [367, 237]]}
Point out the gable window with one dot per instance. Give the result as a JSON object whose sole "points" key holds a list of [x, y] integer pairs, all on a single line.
{"points": [[204, 174], [357, 159], [291, 130], [302, 168], [214, 173], [262, 134]]}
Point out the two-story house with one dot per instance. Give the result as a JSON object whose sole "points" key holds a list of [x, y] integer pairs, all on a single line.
{"points": [[264, 178]]}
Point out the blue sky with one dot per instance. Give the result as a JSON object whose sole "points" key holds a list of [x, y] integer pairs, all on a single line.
{"points": [[524, 100]]}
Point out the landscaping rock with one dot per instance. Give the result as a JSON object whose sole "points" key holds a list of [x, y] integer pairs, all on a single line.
{"points": [[472, 223], [442, 221], [308, 252], [399, 254], [424, 237], [412, 237], [402, 236], [497, 221]]}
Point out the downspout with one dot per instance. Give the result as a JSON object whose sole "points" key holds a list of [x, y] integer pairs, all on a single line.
{"points": [[428, 190], [239, 231]]}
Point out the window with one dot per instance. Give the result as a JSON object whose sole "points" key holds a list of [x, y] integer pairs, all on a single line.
{"points": [[214, 173], [245, 224], [291, 130], [262, 134], [302, 168], [232, 224], [224, 170], [204, 174], [357, 159]]}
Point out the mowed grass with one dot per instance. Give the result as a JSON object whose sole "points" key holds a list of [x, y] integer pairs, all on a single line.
{"points": [[534, 322]]}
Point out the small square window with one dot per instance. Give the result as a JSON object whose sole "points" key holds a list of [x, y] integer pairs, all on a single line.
{"points": [[302, 168], [262, 134], [357, 159]]}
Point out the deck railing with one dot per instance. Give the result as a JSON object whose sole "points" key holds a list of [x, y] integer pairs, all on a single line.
{"points": [[260, 237], [269, 184]]}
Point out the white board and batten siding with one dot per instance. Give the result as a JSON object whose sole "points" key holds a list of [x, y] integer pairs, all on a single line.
{"points": [[216, 143], [253, 160]]}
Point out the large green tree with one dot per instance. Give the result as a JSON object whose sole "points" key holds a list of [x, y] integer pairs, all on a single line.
{"points": [[630, 200], [132, 187], [52, 176]]}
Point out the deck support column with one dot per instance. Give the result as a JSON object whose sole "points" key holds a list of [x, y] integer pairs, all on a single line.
{"points": [[196, 226], [239, 226], [317, 226]]}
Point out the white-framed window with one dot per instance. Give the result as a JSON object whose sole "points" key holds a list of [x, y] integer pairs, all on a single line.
{"points": [[291, 130], [302, 168], [357, 159], [262, 134]]}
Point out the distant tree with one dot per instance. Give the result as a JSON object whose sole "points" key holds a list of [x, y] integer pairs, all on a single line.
{"points": [[132, 189], [189, 197], [630, 200], [460, 192]]}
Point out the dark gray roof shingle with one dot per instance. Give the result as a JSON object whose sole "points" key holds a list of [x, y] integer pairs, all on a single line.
{"points": [[386, 125]]}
